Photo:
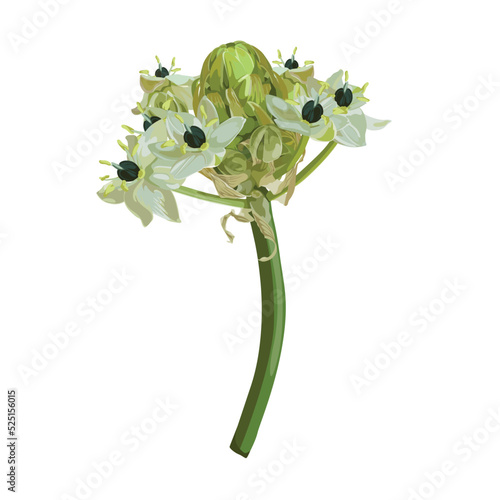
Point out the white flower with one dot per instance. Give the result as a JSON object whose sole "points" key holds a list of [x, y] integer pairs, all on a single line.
{"points": [[144, 182], [307, 113], [196, 142], [350, 122], [291, 64]]}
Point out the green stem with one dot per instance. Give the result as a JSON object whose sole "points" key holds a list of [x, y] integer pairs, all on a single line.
{"points": [[241, 203], [307, 171], [300, 151], [273, 327]]}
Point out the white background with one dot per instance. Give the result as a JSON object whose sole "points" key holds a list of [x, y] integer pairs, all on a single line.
{"points": [[165, 335]]}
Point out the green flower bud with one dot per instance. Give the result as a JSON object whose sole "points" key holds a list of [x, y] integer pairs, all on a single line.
{"points": [[236, 77], [234, 163], [266, 144]]}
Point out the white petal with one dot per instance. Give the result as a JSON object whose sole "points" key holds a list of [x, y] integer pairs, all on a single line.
{"points": [[280, 70], [165, 157], [225, 133], [164, 205], [180, 79], [138, 200], [374, 124], [281, 109], [325, 132], [176, 128], [192, 163], [351, 129], [210, 111], [336, 81], [295, 126], [114, 197], [162, 177]]}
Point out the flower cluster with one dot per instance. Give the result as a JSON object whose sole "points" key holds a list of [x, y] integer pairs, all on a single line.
{"points": [[242, 123]]}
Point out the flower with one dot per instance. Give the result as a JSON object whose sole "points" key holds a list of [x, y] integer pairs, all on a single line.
{"points": [[326, 111], [144, 182], [308, 113], [291, 64], [345, 94], [349, 120], [197, 141], [164, 91]]}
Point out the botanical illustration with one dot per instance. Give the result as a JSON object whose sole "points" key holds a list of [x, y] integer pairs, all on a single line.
{"points": [[244, 123]]}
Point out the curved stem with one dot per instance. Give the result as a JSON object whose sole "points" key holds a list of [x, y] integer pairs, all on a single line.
{"points": [[273, 327], [201, 195], [308, 170], [300, 151]]}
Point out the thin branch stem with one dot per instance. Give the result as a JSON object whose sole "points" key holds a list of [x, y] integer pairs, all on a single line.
{"points": [[201, 195], [308, 170]]}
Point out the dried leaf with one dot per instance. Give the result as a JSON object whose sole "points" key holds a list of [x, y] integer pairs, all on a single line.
{"points": [[243, 216]]}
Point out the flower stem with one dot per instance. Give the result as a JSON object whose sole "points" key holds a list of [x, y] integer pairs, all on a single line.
{"points": [[201, 195], [272, 331], [300, 151], [308, 170]]}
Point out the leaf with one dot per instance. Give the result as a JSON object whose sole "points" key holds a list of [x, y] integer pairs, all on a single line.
{"points": [[262, 116], [224, 189], [243, 216], [234, 104]]}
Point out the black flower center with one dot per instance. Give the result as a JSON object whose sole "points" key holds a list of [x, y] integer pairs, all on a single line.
{"points": [[161, 72], [128, 171], [343, 96], [312, 112], [149, 121], [195, 137], [292, 63]]}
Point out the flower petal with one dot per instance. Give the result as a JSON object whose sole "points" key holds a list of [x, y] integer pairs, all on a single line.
{"points": [[138, 200], [192, 163], [162, 177], [210, 111], [280, 70], [295, 126], [281, 109], [374, 124], [351, 129], [111, 192], [225, 133], [336, 81], [164, 205], [176, 128]]}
